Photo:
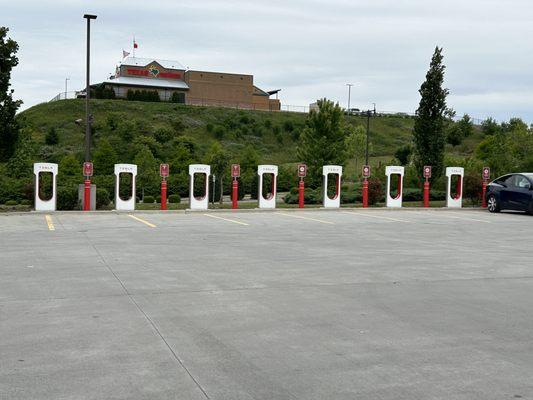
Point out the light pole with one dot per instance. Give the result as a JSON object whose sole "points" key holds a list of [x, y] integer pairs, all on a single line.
{"points": [[66, 80], [368, 115], [88, 117], [349, 95]]}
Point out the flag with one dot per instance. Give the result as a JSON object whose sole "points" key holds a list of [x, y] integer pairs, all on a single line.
{"points": [[135, 45], [125, 53]]}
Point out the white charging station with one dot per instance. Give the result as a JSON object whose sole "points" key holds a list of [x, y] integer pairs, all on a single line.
{"points": [[202, 202], [335, 201], [270, 201], [390, 171], [50, 204], [128, 204], [456, 200]]}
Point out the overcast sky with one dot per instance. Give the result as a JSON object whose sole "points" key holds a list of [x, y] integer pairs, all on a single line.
{"points": [[308, 48]]}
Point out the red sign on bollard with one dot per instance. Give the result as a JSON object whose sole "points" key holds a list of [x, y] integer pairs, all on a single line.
{"points": [[486, 173], [87, 169], [164, 170], [366, 171], [302, 170], [235, 170], [427, 171]]}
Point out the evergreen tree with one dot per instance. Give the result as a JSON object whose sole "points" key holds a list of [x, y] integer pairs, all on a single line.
{"points": [[9, 128], [323, 140], [51, 138], [104, 158], [147, 172], [429, 132]]}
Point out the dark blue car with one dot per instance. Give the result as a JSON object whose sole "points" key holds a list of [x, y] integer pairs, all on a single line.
{"points": [[511, 192]]}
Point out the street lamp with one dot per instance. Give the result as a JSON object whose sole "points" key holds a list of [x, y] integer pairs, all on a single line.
{"points": [[368, 113], [66, 80], [349, 95], [88, 117]]}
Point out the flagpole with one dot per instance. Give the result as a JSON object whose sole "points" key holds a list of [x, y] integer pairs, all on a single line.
{"points": [[133, 46]]}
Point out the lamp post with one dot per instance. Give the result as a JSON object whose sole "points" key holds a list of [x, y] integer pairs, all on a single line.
{"points": [[88, 117], [368, 115], [349, 95], [66, 80]]}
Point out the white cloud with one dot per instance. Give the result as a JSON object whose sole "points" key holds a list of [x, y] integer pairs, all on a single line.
{"points": [[308, 48]]}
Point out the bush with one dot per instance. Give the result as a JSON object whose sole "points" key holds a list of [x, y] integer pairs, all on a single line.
{"points": [[11, 203], [376, 193], [148, 199], [472, 187], [67, 198], [174, 199], [310, 196], [51, 138], [25, 202], [102, 198], [178, 97]]}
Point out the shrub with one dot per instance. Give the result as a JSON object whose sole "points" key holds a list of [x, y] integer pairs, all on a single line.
{"points": [[102, 198], [25, 202], [472, 188], [51, 138], [177, 97], [148, 199], [310, 196], [67, 198], [375, 191], [174, 199], [11, 203]]}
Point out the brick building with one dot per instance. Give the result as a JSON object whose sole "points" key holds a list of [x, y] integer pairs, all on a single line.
{"points": [[192, 87]]}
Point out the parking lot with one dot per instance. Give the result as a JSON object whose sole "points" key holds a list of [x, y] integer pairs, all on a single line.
{"points": [[343, 304]]}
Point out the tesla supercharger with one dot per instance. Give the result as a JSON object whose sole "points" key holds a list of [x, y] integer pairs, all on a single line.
{"points": [[390, 172], [455, 200], [202, 202], [40, 204], [128, 204], [335, 201], [270, 201]]}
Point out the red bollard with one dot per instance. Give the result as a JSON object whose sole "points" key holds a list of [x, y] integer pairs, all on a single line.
{"points": [[365, 193], [163, 195], [235, 194], [87, 195], [301, 194], [426, 194], [483, 192]]}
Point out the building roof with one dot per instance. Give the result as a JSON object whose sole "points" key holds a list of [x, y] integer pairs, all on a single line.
{"points": [[155, 83], [143, 62]]}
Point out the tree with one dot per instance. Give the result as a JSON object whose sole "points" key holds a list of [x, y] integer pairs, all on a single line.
{"points": [[219, 161], [403, 153], [323, 139], [147, 177], [105, 158], [51, 137], [355, 144], [466, 127], [9, 128], [490, 127], [429, 135], [20, 163]]}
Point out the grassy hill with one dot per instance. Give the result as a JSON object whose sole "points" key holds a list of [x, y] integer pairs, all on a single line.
{"points": [[273, 134]]}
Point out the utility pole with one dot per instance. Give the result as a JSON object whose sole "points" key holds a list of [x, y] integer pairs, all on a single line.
{"points": [[88, 116], [349, 95], [66, 80]]}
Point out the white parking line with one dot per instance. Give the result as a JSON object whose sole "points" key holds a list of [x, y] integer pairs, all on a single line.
{"points": [[227, 219], [364, 214], [307, 218]]}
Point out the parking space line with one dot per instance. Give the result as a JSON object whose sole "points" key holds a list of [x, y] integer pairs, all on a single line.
{"points": [[377, 216], [142, 220], [467, 219], [307, 218], [49, 222], [227, 219]]}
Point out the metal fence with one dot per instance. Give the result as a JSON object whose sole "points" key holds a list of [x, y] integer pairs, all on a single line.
{"points": [[67, 95]]}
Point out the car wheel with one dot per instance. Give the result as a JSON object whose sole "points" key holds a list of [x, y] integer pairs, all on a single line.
{"points": [[492, 204]]}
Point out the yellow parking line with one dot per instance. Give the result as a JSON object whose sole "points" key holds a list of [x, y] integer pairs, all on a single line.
{"points": [[49, 222], [142, 220], [376, 216], [227, 219], [308, 218]]}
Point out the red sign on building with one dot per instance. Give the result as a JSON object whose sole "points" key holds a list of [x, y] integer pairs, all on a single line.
{"points": [[164, 170], [87, 169], [235, 170], [366, 171], [302, 170], [486, 173], [427, 171]]}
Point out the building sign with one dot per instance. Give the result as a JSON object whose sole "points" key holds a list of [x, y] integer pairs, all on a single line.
{"points": [[154, 72]]}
